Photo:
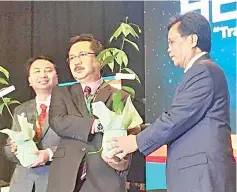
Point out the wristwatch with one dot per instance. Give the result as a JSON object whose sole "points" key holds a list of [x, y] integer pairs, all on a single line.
{"points": [[99, 127]]}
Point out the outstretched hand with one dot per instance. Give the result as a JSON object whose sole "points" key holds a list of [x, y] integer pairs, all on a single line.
{"points": [[115, 162], [43, 157], [123, 145], [13, 147]]}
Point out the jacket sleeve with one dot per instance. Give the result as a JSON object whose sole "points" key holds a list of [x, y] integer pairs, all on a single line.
{"points": [[65, 125], [188, 108]]}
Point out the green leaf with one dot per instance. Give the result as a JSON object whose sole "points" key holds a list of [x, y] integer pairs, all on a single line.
{"points": [[116, 33], [132, 72], [138, 28], [6, 100], [119, 108], [130, 30], [102, 55], [1, 108], [14, 102], [117, 96], [104, 52], [132, 43], [111, 66], [117, 104], [3, 81], [125, 30], [5, 72], [108, 59], [129, 90], [125, 60], [121, 57]]}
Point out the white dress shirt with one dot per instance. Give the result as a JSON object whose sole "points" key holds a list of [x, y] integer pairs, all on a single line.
{"points": [[94, 87]]}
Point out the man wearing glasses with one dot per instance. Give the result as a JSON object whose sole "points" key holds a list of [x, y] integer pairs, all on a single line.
{"points": [[196, 127], [78, 164]]}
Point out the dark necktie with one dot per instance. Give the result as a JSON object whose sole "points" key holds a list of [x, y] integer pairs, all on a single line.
{"points": [[41, 119], [81, 175], [87, 92]]}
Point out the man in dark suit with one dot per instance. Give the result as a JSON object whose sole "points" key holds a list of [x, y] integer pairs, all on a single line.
{"points": [[196, 127], [42, 77], [78, 163]]}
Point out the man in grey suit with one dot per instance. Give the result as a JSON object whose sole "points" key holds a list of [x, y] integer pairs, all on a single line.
{"points": [[78, 163], [196, 128], [42, 77]]}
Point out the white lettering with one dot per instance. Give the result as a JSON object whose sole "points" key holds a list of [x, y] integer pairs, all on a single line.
{"points": [[217, 16], [203, 6], [226, 32]]}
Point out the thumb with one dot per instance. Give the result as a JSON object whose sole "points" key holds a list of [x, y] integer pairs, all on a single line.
{"points": [[121, 155]]}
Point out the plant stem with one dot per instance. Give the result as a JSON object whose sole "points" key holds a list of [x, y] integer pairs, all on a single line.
{"points": [[9, 111], [123, 40]]}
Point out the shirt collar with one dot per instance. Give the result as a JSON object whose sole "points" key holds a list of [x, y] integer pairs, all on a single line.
{"points": [[94, 86], [192, 61], [39, 102]]}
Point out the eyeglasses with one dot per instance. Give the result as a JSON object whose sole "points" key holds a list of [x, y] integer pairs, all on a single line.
{"points": [[80, 55]]}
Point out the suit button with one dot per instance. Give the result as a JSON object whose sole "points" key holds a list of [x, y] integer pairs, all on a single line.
{"points": [[83, 149]]}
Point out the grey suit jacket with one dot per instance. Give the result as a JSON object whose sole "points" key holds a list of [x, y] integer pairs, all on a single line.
{"points": [[23, 178], [196, 129], [69, 118]]}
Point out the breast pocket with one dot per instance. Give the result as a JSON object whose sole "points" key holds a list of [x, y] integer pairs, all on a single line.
{"points": [[192, 160]]}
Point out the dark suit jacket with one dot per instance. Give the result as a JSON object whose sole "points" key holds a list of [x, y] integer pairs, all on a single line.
{"points": [[24, 178], [197, 131], [69, 118]]}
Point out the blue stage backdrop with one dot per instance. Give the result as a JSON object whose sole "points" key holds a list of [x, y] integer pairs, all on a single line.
{"points": [[161, 75]]}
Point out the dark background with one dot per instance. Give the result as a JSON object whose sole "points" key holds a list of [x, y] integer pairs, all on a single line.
{"points": [[33, 28]]}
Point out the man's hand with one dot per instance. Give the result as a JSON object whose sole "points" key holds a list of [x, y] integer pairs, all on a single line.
{"points": [[13, 147], [116, 163], [43, 157], [124, 145]]}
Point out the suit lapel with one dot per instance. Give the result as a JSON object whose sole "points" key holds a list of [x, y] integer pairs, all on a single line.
{"points": [[31, 113], [203, 57], [78, 99], [103, 93], [45, 126]]}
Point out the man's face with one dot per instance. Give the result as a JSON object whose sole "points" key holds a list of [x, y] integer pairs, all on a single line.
{"points": [[82, 62], [179, 48], [42, 75]]}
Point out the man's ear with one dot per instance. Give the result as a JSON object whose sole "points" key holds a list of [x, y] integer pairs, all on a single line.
{"points": [[194, 40]]}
